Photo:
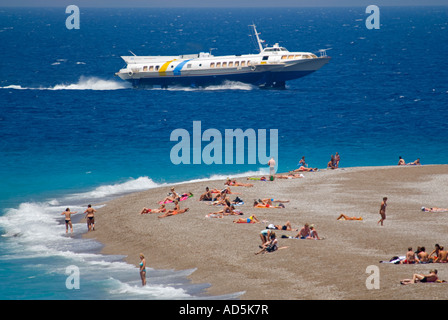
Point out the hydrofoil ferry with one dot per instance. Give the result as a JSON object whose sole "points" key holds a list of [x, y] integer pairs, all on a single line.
{"points": [[271, 67]]}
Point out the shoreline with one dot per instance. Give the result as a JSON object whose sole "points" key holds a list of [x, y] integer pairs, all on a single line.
{"points": [[223, 252]]}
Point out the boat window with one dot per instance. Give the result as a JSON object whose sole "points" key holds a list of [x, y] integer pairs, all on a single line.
{"points": [[230, 64], [314, 56], [265, 58], [243, 63], [237, 63], [290, 57], [224, 64], [212, 64], [284, 57], [145, 68], [218, 64], [306, 56], [157, 68], [248, 63], [298, 56], [151, 68]]}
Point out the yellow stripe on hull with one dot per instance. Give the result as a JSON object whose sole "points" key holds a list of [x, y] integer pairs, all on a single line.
{"points": [[162, 70]]}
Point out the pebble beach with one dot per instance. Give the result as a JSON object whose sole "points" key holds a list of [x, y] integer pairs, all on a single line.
{"points": [[339, 266]]}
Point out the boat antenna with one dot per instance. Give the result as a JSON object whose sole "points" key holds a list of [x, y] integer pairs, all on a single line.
{"points": [[259, 41], [132, 53], [211, 49]]}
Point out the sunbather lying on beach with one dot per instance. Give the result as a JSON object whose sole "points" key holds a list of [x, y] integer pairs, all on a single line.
{"points": [[260, 204], [251, 219], [345, 217], [182, 197], [227, 211], [158, 210], [220, 200], [304, 169], [431, 277], [225, 190], [289, 176], [175, 211], [415, 163], [237, 184], [286, 227], [270, 200], [434, 209]]}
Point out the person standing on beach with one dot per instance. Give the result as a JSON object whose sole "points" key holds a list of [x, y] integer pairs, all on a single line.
{"points": [[337, 158], [143, 269], [271, 164], [383, 211], [68, 220], [90, 216]]}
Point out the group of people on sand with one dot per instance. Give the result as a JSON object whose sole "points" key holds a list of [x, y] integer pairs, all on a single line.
{"points": [[438, 255], [306, 232], [334, 161], [172, 197], [269, 241], [89, 216]]}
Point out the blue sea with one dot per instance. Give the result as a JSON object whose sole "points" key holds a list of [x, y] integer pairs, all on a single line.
{"points": [[72, 133]]}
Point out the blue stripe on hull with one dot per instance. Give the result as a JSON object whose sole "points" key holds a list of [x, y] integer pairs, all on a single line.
{"points": [[179, 67], [255, 78]]}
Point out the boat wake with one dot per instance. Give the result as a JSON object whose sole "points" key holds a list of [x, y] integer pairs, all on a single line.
{"points": [[84, 83], [95, 83]]}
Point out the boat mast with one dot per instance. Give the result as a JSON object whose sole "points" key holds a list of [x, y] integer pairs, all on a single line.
{"points": [[259, 41]]}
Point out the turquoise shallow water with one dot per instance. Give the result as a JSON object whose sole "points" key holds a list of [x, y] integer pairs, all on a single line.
{"points": [[71, 133]]}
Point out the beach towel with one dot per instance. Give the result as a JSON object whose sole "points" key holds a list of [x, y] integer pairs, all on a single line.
{"points": [[245, 221], [259, 179]]}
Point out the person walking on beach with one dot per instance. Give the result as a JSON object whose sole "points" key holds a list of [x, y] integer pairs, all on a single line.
{"points": [[90, 216], [68, 220], [143, 269], [383, 211]]}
